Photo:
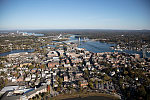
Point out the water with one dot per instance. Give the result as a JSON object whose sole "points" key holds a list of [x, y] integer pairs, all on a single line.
{"points": [[93, 46], [16, 51], [26, 50], [35, 34], [98, 47], [39, 34]]}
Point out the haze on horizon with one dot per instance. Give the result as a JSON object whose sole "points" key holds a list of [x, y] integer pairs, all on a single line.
{"points": [[75, 14]]}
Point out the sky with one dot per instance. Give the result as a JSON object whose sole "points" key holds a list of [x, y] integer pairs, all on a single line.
{"points": [[75, 14]]}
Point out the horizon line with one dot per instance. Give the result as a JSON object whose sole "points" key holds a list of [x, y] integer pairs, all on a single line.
{"points": [[71, 29]]}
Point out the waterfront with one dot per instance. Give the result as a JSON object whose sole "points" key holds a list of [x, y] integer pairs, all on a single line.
{"points": [[98, 47], [93, 46], [16, 51], [82, 71], [74, 50]]}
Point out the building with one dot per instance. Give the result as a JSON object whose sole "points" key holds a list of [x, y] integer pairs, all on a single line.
{"points": [[65, 78], [52, 54], [84, 83], [53, 63], [25, 93]]}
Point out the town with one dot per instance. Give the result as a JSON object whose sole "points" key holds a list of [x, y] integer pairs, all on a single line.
{"points": [[74, 50], [63, 68]]}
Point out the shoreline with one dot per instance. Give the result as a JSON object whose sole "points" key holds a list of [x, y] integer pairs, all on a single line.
{"points": [[15, 50], [84, 95]]}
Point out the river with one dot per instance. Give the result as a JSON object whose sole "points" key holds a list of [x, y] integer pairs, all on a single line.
{"points": [[16, 51], [93, 46], [97, 46]]}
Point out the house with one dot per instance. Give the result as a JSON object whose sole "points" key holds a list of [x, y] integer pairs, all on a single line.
{"points": [[74, 85], [52, 64], [136, 78], [33, 76], [112, 73], [46, 71], [14, 79], [34, 70], [66, 78], [88, 63], [72, 54], [137, 56], [84, 83], [43, 74], [28, 78], [66, 84], [61, 52], [20, 79], [66, 65], [25, 64], [78, 74]]}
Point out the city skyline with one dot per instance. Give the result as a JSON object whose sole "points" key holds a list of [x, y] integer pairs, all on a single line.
{"points": [[70, 14]]}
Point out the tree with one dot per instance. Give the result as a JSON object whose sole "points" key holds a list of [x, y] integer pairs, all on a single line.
{"points": [[120, 81], [79, 83], [60, 80], [1, 66], [65, 48], [86, 74], [101, 81], [91, 84], [58, 89], [3, 74], [106, 77], [125, 72], [3, 82], [128, 95], [31, 67], [96, 83], [141, 91], [16, 74], [43, 66]]}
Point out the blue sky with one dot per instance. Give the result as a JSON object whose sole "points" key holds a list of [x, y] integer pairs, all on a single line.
{"points": [[74, 14]]}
